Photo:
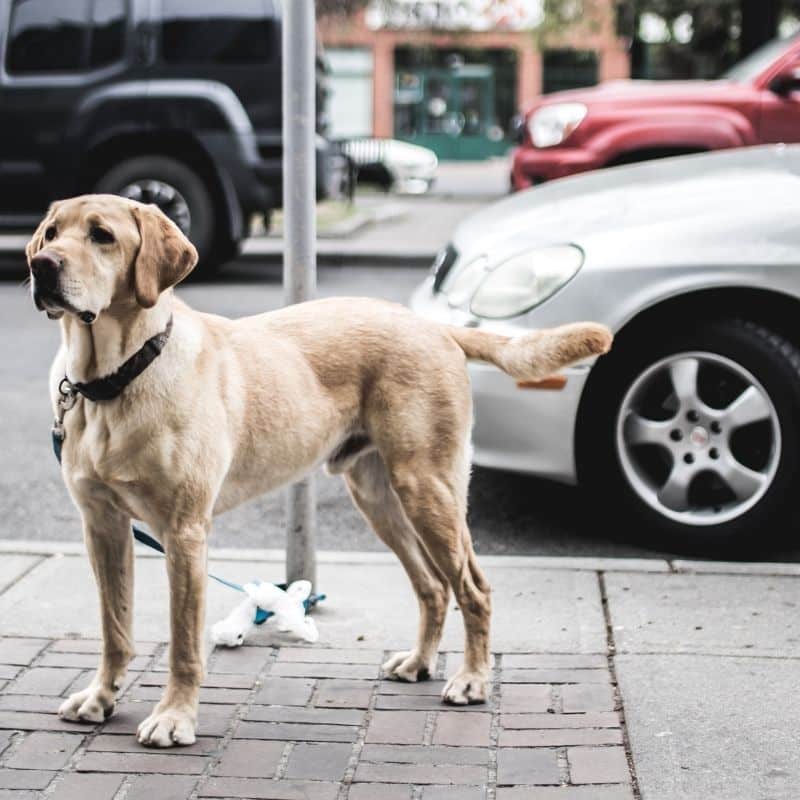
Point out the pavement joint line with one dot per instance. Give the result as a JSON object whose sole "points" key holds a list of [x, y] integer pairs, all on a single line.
{"points": [[22, 575], [441, 675], [361, 736], [313, 695], [241, 710], [440, 672], [556, 699], [612, 669], [496, 687], [705, 654], [124, 788], [429, 728], [77, 685], [17, 738], [563, 764], [283, 761]]}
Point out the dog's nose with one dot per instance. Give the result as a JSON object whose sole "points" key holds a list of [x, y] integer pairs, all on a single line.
{"points": [[46, 263]]}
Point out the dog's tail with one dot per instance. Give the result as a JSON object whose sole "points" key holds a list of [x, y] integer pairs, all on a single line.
{"points": [[536, 355]]}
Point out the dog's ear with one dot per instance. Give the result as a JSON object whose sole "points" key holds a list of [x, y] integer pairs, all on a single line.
{"points": [[37, 240], [165, 255]]}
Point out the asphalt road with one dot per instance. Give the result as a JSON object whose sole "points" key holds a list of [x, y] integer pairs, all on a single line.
{"points": [[508, 513]]}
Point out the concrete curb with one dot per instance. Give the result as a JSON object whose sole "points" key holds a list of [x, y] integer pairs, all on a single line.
{"points": [[333, 251], [573, 563], [330, 252], [55, 548], [359, 219]]}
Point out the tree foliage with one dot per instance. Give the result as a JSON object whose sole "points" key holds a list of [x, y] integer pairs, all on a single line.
{"points": [[719, 33], [702, 37]]}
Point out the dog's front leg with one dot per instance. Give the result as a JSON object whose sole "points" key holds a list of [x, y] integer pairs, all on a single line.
{"points": [[174, 719], [109, 542]]}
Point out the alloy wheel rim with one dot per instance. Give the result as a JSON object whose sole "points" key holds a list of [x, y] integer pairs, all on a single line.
{"points": [[165, 196], [698, 438]]}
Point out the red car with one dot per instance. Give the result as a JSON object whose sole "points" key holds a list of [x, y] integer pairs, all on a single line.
{"points": [[620, 122]]}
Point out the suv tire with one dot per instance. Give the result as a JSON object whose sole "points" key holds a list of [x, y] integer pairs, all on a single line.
{"points": [[180, 193], [619, 447]]}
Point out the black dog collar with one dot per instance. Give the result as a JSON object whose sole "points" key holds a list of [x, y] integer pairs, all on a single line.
{"points": [[112, 385]]}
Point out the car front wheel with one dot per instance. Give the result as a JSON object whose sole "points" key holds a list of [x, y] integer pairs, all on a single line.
{"points": [[693, 437], [178, 191]]}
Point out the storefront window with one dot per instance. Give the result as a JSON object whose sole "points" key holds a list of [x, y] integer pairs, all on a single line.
{"points": [[457, 102]]}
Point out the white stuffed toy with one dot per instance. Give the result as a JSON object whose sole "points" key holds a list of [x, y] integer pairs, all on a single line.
{"points": [[287, 608], [230, 632]]}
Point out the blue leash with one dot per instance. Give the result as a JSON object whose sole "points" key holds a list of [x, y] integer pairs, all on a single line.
{"points": [[146, 539]]}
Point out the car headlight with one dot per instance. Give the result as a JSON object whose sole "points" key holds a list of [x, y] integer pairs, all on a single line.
{"points": [[525, 281], [461, 287], [551, 125]]}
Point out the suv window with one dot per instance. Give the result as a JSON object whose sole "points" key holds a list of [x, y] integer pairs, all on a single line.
{"points": [[214, 32], [68, 36], [107, 42]]}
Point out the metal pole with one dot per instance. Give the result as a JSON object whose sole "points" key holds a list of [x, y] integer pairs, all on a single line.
{"points": [[300, 258]]}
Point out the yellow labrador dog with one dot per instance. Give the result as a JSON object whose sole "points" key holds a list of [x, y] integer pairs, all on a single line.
{"points": [[180, 415]]}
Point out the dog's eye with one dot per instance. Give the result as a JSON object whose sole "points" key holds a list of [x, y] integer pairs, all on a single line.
{"points": [[50, 233], [101, 235]]}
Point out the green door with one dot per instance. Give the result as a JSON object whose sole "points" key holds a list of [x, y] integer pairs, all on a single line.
{"points": [[451, 111]]}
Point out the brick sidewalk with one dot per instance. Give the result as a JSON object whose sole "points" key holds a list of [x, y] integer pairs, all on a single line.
{"points": [[315, 724]]}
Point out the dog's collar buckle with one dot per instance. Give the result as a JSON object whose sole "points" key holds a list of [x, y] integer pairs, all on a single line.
{"points": [[68, 396], [112, 386]]}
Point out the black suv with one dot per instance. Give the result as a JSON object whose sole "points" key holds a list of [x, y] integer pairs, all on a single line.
{"points": [[173, 102]]}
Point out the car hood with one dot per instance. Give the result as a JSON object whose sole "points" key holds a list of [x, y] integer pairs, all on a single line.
{"points": [[644, 92], [734, 192]]}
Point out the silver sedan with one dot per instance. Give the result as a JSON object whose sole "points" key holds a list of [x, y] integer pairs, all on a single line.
{"points": [[689, 428]]}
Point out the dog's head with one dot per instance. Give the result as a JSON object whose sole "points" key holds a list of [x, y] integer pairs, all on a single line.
{"points": [[95, 252]]}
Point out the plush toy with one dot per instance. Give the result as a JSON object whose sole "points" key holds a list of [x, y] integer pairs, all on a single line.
{"points": [[265, 600], [230, 632], [288, 607]]}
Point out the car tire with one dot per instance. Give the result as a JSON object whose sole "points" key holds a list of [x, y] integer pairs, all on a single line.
{"points": [[698, 476], [180, 193]]}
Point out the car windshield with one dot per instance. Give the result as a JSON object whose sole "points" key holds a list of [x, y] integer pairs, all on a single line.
{"points": [[751, 67]]}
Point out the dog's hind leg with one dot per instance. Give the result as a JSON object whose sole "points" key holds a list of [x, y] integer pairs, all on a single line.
{"points": [[372, 493], [107, 534], [434, 500]]}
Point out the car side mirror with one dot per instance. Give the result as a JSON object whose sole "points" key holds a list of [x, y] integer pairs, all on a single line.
{"points": [[786, 82]]}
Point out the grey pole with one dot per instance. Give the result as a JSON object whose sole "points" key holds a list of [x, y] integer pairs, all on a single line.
{"points": [[300, 258]]}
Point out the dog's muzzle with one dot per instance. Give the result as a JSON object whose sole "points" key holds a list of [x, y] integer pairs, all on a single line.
{"points": [[46, 268]]}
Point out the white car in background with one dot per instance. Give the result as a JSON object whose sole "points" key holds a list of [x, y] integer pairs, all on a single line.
{"points": [[689, 427], [405, 168]]}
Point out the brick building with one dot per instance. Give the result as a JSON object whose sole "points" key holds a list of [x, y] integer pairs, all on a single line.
{"points": [[453, 83]]}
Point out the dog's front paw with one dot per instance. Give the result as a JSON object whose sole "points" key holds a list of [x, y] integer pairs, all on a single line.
{"points": [[408, 666], [167, 727], [465, 688], [93, 704]]}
